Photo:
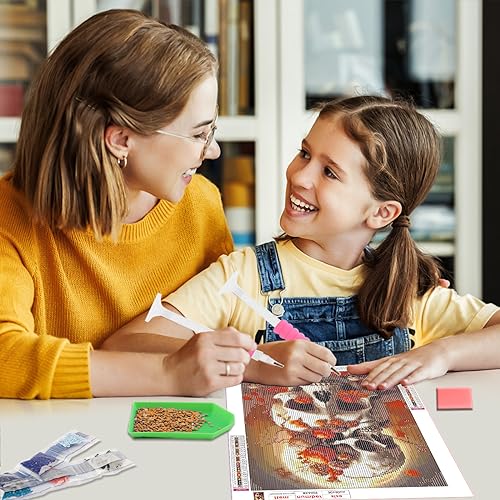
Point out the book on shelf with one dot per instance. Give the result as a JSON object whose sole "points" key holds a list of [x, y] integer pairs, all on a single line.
{"points": [[232, 56], [22, 34], [235, 51], [192, 16], [238, 195], [211, 25], [22, 48], [170, 12], [26, 15], [11, 99], [234, 173], [223, 48], [14, 68], [245, 59], [180, 12], [241, 221], [18, 61]]}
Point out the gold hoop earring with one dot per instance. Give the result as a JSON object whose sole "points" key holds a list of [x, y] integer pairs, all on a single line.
{"points": [[122, 162]]}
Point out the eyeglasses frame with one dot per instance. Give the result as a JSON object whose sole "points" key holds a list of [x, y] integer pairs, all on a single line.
{"points": [[206, 143]]}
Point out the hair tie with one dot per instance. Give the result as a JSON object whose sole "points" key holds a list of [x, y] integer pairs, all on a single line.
{"points": [[401, 221]]}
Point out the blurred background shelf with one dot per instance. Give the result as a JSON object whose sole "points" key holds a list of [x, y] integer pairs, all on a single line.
{"points": [[280, 57]]}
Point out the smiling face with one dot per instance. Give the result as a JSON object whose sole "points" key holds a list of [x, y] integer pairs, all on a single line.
{"points": [[163, 165], [328, 198]]}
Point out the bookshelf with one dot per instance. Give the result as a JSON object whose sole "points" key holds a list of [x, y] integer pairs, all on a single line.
{"points": [[22, 47], [266, 87], [28, 30], [345, 24]]}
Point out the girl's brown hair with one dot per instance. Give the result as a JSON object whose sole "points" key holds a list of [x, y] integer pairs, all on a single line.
{"points": [[402, 151], [118, 67]]}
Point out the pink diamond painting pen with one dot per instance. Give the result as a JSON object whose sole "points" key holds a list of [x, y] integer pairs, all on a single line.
{"points": [[283, 328], [157, 309]]}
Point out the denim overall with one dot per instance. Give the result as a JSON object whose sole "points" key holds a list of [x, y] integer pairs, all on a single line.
{"points": [[332, 322]]}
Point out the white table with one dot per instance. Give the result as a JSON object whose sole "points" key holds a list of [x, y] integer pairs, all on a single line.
{"points": [[190, 470]]}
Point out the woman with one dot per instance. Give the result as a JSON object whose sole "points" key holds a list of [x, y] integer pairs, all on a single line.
{"points": [[102, 209]]}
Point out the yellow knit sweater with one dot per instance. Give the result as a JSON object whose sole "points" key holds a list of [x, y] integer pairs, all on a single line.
{"points": [[63, 293]]}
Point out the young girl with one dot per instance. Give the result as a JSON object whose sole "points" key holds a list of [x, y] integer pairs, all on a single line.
{"points": [[367, 163]]}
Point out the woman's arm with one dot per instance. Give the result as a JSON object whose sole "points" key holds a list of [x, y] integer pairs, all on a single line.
{"points": [[158, 335], [198, 368], [478, 350]]}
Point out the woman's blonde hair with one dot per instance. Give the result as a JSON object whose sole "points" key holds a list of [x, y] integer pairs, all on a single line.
{"points": [[403, 154], [118, 67]]}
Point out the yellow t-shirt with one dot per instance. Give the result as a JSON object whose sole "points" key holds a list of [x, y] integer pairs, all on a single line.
{"points": [[63, 293], [439, 313]]}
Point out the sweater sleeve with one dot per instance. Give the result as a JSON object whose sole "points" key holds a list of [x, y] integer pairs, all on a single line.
{"points": [[33, 365]]}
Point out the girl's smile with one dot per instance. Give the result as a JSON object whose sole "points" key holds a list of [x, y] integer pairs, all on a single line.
{"points": [[298, 204]]}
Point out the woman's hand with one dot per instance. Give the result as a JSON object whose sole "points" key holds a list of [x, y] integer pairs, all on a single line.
{"points": [[429, 361], [305, 363], [203, 364], [208, 362]]}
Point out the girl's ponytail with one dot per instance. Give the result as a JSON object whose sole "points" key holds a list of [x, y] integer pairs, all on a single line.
{"points": [[396, 272]]}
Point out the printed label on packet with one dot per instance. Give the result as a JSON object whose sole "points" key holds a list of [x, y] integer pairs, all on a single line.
{"points": [[100, 461]]}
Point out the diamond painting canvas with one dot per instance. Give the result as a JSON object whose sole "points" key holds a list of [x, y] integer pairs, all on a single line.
{"points": [[336, 439]]}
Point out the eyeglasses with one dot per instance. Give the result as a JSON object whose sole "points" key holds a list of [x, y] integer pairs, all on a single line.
{"points": [[206, 141]]}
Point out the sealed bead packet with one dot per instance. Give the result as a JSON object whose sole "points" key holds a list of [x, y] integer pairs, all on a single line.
{"points": [[52, 468]]}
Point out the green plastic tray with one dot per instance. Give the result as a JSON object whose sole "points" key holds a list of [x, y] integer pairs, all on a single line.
{"points": [[217, 420]]}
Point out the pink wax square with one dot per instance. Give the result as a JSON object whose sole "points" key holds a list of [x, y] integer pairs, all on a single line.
{"points": [[454, 398]]}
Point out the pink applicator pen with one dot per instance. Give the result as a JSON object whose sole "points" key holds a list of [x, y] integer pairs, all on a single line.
{"points": [[283, 328], [158, 309]]}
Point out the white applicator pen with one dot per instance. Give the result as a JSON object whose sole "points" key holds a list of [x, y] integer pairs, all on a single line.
{"points": [[283, 328], [158, 309]]}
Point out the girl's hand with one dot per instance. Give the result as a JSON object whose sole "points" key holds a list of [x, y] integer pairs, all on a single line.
{"points": [[429, 361], [305, 363]]}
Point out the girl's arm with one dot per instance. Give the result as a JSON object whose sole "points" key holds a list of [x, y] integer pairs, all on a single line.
{"points": [[478, 350]]}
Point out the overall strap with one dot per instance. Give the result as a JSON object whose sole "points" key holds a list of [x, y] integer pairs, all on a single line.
{"points": [[268, 265]]}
